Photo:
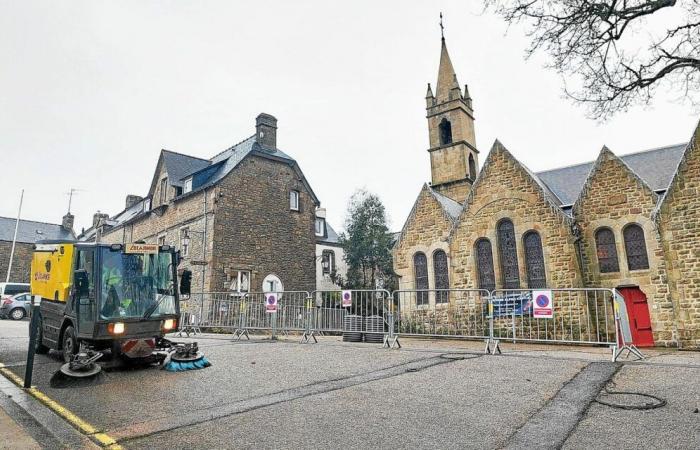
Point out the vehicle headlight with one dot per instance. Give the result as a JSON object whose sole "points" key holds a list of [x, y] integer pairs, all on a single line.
{"points": [[116, 328], [169, 324]]}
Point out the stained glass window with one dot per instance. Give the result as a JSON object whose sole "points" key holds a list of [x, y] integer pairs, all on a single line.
{"points": [[607, 251], [420, 266], [534, 261], [635, 247], [509, 255], [442, 277], [484, 264]]}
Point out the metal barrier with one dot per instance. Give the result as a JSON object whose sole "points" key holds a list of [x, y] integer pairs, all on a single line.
{"points": [[458, 313], [579, 316]]}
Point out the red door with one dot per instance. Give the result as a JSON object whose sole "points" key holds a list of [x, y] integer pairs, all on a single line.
{"points": [[638, 312]]}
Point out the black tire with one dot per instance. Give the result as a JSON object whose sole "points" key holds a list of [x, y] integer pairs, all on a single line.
{"points": [[17, 314], [39, 347], [69, 343]]}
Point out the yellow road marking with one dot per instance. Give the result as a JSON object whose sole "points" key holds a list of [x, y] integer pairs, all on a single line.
{"points": [[103, 439]]}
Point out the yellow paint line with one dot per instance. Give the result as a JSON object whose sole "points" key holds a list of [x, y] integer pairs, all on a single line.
{"points": [[103, 439]]}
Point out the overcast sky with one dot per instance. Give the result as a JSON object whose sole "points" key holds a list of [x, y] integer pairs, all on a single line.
{"points": [[91, 91]]}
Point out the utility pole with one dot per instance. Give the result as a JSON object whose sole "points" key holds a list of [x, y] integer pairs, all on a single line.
{"points": [[14, 238]]}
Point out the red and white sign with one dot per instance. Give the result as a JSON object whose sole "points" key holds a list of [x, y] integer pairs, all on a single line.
{"points": [[542, 305], [347, 298], [271, 303]]}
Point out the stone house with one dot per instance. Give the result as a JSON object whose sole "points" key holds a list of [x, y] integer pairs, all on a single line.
{"points": [[242, 220], [28, 233], [629, 222], [330, 257]]}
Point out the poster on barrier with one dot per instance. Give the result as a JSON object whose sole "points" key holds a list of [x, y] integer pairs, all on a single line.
{"points": [[347, 299], [271, 303], [543, 306]]}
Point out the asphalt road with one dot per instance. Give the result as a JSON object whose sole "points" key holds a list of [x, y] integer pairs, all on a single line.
{"points": [[263, 394]]}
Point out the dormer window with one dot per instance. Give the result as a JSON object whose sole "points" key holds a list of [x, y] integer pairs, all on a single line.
{"points": [[320, 226], [188, 185]]}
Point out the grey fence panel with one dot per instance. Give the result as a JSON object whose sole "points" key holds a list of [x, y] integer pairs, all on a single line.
{"points": [[580, 316], [366, 306], [459, 313]]}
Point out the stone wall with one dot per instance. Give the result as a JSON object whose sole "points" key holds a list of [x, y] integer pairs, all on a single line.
{"points": [[255, 230], [506, 190], [614, 197], [426, 230], [21, 262], [679, 224]]}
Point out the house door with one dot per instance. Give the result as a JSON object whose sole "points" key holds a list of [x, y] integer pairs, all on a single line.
{"points": [[638, 312]]}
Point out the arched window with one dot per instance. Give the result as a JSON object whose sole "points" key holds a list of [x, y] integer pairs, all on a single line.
{"points": [[442, 277], [420, 267], [534, 260], [484, 264], [472, 167], [445, 132], [635, 247], [606, 250], [509, 254]]}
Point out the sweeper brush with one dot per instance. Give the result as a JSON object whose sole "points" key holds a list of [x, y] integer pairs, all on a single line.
{"points": [[185, 357]]}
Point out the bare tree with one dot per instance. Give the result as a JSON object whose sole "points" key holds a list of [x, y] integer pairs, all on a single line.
{"points": [[611, 54]]}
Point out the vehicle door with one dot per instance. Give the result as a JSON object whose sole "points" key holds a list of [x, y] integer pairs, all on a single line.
{"points": [[84, 298]]}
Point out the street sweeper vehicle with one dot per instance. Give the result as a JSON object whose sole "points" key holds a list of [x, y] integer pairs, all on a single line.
{"points": [[121, 298]]}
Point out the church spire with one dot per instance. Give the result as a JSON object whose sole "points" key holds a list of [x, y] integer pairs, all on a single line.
{"points": [[447, 78]]}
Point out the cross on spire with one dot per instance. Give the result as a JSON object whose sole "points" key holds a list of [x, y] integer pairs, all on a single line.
{"points": [[442, 28]]}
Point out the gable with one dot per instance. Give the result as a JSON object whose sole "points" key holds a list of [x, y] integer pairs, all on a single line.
{"points": [[427, 222], [610, 185]]}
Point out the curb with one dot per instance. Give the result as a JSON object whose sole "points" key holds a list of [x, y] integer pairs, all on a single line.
{"points": [[102, 439]]}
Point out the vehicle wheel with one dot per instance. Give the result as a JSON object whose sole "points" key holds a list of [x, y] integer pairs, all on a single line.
{"points": [[39, 347], [17, 314], [70, 343]]}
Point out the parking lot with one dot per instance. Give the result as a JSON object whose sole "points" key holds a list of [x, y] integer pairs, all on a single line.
{"points": [[437, 394]]}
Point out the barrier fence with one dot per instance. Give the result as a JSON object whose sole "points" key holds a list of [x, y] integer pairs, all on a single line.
{"points": [[575, 316]]}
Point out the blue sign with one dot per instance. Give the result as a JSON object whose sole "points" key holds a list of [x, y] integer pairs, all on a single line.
{"points": [[515, 303]]}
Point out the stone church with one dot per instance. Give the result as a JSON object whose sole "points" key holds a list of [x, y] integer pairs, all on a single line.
{"points": [[630, 222]]}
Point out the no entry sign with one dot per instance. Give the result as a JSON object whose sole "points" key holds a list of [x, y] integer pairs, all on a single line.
{"points": [[542, 305], [347, 298], [271, 303]]}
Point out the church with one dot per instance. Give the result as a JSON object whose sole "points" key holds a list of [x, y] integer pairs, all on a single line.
{"points": [[629, 222]]}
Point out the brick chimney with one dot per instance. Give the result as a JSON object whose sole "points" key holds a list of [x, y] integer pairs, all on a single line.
{"points": [[266, 130], [68, 221], [131, 200]]}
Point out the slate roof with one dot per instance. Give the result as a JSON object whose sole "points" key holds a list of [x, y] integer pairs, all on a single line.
{"points": [[331, 236], [656, 167], [30, 231], [179, 166], [451, 207]]}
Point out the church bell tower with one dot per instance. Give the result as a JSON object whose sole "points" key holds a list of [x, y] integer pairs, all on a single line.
{"points": [[453, 153]]}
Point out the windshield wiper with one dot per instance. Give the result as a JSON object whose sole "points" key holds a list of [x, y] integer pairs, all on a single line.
{"points": [[149, 312]]}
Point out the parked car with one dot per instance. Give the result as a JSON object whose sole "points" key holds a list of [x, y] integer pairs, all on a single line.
{"points": [[10, 289], [15, 307]]}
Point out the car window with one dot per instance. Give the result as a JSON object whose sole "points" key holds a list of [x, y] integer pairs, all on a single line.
{"points": [[13, 289]]}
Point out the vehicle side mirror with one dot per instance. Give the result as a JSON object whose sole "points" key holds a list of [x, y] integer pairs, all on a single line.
{"points": [[82, 283], [185, 282]]}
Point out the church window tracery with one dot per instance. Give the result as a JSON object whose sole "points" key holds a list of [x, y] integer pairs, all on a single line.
{"points": [[508, 254], [534, 260], [635, 247], [420, 267], [442, 277], [606, 250], [484, 264]]}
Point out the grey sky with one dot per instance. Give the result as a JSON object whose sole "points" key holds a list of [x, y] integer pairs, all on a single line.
{"points": [[91, 91]]}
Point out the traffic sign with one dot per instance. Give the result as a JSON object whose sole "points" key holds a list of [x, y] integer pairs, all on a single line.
{"points": [[542, 305], [271, 303], [347, 299]]}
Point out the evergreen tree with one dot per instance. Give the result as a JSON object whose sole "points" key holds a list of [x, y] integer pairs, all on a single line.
{"points": [[367, 244]]}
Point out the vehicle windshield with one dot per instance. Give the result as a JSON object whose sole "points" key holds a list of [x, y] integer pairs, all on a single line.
{"points": [[136, 285]]}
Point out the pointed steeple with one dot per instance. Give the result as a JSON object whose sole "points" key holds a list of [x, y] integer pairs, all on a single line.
{"points": [[446, 75]]}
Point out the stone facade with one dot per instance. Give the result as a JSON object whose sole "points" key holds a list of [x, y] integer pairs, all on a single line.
{"points": [[566, 209], [613, 198], [240, 226], [21, 262], [679, 223]]}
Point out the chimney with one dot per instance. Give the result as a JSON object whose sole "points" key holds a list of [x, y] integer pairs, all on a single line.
{"points": [[266, 130], [131, 200], [68, 221], [98, 219]]}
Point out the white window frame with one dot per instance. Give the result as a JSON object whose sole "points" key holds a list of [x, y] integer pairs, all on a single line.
{"points": [[294, 200], [236, 283], [322, 222], [187, 187], [185, 249]]}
